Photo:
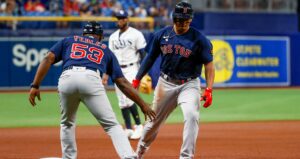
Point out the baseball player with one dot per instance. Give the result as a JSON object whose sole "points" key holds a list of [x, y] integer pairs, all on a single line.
{"points": [[183, 50], [127, 43], [85, 58]]}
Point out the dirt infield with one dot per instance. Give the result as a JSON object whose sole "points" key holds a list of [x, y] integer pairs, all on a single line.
{"points": [[243, 140]]}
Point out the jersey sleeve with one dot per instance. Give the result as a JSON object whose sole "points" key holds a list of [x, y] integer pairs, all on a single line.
{"points": [[153, 49], [140, 41], [57, 49], [206, 51], [113, 68]]}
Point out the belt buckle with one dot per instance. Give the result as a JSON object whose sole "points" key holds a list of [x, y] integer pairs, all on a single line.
{"points": [[78, 68], [165, 76]]}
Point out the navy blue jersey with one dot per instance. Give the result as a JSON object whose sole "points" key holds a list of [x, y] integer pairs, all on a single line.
{"points": [[89, 52], [182, 55]]}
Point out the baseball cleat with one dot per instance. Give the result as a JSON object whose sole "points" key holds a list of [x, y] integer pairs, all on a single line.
{"points": [[129, 132], [137, 132]]}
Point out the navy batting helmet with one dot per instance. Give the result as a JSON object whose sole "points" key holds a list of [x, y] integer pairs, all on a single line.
{"points": [[92, 27], [183, 10]]}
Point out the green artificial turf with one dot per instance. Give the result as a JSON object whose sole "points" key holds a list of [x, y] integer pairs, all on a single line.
{"points": [[228, 105]]}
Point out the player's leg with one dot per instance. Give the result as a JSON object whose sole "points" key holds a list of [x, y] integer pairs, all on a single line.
{"points": [[126, 116], [123, 104], [69, 102], [127, 120], [99, 105], [129, 74], [164, 102], [138, 128], [104, 114], [189, 101], [134, 112]]}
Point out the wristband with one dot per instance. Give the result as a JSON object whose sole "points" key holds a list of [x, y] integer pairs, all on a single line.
{"points": [[34, 86]]}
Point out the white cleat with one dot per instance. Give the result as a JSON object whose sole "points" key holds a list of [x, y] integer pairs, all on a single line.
{"points": [[138, 130], [129, 132]]}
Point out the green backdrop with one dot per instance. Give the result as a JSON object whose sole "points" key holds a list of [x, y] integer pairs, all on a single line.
{"points": [[228, 105]]}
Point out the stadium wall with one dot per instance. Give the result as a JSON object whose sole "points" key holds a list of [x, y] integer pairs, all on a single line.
{"points": [[273, 41]]}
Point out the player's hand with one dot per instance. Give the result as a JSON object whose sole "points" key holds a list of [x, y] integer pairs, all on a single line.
{"points": [[105, 79], [32, 94], [148, 112], [207, 97], [135, 83]]}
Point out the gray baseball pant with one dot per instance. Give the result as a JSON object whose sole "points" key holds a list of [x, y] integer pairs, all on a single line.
{"points": [[166, 98], [82, 85]]}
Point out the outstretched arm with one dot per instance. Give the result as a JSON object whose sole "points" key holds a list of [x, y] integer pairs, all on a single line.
{"points": [[209, 76], [132, 93], [153, 52], [142, 53], [39, 76]]}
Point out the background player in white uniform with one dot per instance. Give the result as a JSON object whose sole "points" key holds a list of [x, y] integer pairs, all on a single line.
{"points": [[84, 59], [127, 43]]}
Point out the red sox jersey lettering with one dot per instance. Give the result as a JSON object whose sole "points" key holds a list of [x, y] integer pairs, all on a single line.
{"points": [[167, 49]]}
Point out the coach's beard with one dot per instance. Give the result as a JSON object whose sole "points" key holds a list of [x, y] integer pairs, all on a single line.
{"points": [[122, 26]]}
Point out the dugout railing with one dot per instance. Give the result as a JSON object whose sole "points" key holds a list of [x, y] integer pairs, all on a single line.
{"points": [[51, 22]]}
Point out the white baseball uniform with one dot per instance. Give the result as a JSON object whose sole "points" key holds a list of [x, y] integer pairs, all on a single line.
{"points": [[125, 47]]}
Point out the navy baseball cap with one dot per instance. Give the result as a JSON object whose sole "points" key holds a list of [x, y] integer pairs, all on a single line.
{"points": [[121, 14]]}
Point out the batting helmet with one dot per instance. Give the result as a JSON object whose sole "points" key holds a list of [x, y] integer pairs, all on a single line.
{"points": [[146, 85], [183, 10], [92, 27]]}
